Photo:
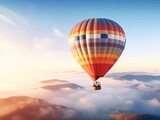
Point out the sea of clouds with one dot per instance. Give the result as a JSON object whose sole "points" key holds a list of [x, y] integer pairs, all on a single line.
{"points": [[124, 96]]}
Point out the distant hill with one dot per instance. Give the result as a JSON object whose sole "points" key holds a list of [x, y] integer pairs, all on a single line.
{"points": [[27, 108], [122, 116], [141, 86], [119, 74], [62, 86], [53, 81], [137, 77], [56, 84]]}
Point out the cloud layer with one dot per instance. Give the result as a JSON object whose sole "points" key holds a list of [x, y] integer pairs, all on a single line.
{"points": [[116, 96]]}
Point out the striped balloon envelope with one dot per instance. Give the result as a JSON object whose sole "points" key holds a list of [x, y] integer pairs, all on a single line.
{"points": [[97, 44]]}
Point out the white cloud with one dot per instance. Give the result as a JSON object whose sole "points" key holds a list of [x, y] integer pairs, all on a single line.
{"points": [[86, 103], [142, 87], [58, 33], [37, 48], [69, 114], [120, 96], [5, 19], [45, 111], [129, 102], [154, 102], [27, 47], [9, 16], [134, 81]]}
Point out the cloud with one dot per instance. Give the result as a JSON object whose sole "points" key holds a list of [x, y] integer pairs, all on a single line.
{"points": [[37, 47], [60, 40], [124, 96], [154, 102], [129, 102], [11, 17], [5, 19], [58, 33], [86, 104], [54, 45], [28, 108], [37, 55], [116, 94], [140, 77], [25, 47], [142, 87]]}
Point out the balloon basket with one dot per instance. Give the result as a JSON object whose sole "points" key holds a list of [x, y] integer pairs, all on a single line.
{"points": [[97, 88], [96, 85]]}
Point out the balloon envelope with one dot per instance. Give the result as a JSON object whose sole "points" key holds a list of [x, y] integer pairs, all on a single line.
{"points": [[97, 44]]}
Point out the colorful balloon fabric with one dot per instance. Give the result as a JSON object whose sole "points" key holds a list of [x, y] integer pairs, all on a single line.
{"points": [[97, 44]]}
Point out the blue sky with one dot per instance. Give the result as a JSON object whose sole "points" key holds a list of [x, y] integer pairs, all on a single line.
{"points": [[34, 33]]}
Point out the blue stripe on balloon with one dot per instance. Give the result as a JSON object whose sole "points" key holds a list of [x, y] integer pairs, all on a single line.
{"points": [[83, 37], [104, 35]]}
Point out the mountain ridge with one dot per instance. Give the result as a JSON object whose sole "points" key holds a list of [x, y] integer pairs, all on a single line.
{"points": [[28, 108]]}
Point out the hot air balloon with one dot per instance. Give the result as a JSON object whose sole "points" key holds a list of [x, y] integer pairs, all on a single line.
{"points": [[97, 44]]}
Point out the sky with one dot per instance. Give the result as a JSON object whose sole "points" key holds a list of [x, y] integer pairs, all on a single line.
{"points": [[34, 34]]}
